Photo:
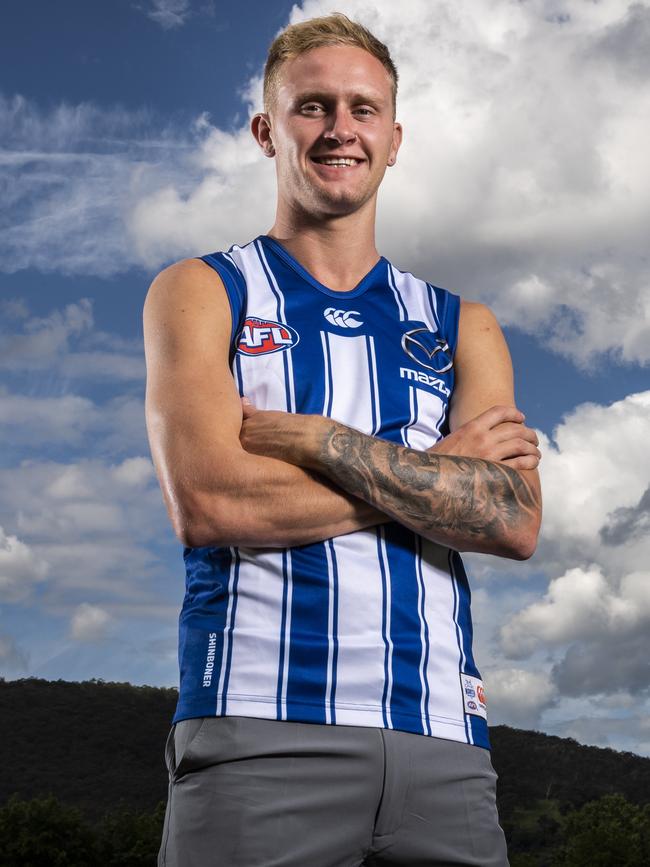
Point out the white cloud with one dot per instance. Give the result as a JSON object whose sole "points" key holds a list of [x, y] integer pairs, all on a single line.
{"points": [[100, 527], [232, 202], [523, 179], [628, 523], [45, 338], [13, 659], [597, 462], [169, 13], [523, 170], [97, 521], [14, 308], [20, 568], [71, 176], [581, 604], [89, 623], [517, 696], [65, 342], [595, 476], [29, 424], [626, 731], [606, 664], [579, 611], [134, 472], [39, 420], [144, 660]]}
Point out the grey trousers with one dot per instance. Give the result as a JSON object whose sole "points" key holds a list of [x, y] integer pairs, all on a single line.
{"points": [[264, 793]]}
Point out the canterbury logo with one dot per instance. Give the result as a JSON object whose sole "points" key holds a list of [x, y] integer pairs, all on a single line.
{"points": [[342, 318]]}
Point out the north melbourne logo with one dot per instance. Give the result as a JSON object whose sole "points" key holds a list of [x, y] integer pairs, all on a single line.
{"points": [[263, 336], [473, 695], [342, 318]]}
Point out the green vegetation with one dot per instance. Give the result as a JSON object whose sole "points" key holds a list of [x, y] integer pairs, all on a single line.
{"points": [[84, 784], [609, 832], [44, 833], [534, 833]]}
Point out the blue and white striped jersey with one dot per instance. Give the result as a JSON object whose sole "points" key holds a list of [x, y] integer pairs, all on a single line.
{"points": [[372, 628]]}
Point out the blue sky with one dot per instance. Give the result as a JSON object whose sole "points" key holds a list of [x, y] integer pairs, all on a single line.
{"points": [[522, 183]]}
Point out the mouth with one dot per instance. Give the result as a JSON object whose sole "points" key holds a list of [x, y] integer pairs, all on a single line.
{"points": [[337, 162]]}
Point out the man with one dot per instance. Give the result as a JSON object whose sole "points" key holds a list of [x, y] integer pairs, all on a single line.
{"points": [[299, 387]]}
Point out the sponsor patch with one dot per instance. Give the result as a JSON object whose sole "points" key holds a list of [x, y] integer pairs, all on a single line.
{"points": [[425, 348], [263, 336], [473, 695], [209, 659], [425, 378]]}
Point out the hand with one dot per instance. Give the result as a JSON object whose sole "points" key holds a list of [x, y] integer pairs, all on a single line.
{"points": [[286, 436], [498, 434]]}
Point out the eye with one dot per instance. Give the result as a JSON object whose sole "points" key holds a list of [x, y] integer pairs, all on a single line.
{"points": [[311, 108], [364, 111]]}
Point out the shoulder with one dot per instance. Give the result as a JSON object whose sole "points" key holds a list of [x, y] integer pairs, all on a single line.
{"points": [[482, 347], [184, 281], [482, 364], [478, 329], [186, 298], [186, 272], [476, 317]]}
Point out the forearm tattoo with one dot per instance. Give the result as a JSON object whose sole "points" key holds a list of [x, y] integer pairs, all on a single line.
{"points": [[457, 501]]}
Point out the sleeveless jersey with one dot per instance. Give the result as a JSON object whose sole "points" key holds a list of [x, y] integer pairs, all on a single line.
{"points": [[371, 628]]}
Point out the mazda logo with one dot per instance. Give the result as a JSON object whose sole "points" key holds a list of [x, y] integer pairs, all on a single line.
{"points": [[426, 349]]}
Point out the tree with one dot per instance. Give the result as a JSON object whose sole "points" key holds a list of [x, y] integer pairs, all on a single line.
{"points": [[130, 839], [44, 833], [609, 832]]}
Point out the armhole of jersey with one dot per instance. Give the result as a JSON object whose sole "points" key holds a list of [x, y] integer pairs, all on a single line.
{"points": [[449, 322], [450, 319], [235, 286]]}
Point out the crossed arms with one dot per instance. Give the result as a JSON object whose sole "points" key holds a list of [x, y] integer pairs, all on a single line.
{"points": [[233, 475]]}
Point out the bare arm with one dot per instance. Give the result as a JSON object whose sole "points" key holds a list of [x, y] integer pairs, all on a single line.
{"points": [[467, 503], [216, 493], [484, 379]]}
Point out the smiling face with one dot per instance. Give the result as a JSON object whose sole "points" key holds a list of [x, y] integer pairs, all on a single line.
{"points": [[332, 130]]}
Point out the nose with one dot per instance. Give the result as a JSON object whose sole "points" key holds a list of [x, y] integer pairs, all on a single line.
{"points": [[341, 129]]}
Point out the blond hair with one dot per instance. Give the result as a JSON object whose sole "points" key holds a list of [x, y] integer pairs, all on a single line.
{"points": [[335, 29]]}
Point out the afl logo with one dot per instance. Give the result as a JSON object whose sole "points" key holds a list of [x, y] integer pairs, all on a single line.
{"points": [[426, 349], [263, 336]]}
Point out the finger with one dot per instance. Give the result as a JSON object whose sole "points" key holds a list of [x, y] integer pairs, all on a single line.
{"points": [[508, 430], [523, 462], [496, 415], [247, 407], [515, 448]]}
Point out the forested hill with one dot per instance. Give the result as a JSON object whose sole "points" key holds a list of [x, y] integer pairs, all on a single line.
{"points": [[533, 767], [94, 745]]}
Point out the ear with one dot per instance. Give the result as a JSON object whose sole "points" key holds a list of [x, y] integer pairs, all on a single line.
{"points": [[395, 144], [261, 129]]}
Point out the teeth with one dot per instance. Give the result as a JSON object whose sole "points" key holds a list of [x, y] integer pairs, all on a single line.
{"points": [[337, 162]]}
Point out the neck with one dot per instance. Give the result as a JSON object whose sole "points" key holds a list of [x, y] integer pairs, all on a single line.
{"points": [[338, 251]]}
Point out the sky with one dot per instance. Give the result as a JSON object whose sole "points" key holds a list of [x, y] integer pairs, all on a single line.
{"points": [[523, 182]]}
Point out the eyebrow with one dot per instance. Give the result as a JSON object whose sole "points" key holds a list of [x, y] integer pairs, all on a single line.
{"points": [[322, 96]]}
